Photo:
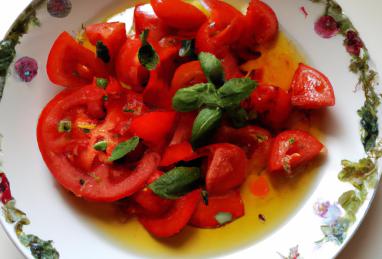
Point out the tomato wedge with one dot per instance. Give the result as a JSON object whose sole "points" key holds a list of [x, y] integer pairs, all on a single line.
{"points": [[175, 219], [186, 75], [183, 128], [178, 152], [205, 215], [311, 89], [292, 148], [179, 14], [225, 167], [72, 65]]}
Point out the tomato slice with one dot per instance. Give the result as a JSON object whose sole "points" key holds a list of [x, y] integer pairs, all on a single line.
{"points": [[179, 14], [272, 104], [186, 75], [70, 154], [311, 89], [225, 167], [292, 148], [175, 219], [183, 128], [128, 68], [204, 215], [72, 65], [112, 34], [178, 152]]}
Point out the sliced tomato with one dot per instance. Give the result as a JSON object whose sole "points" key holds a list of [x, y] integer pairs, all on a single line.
{"points": [[71, 157], [186, 75], [175, 219], [205, 215], [128, 68], [72, 65], [311, 89], [260, 186], [178, 152], [225, 167], [231, 67], [179, 14], [272, 104], [183, 128], [292, 148], [112, 34]]}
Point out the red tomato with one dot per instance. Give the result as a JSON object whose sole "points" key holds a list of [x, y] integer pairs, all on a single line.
{"points": [[70, 155], [153, 127], [112, 34], [183, 128], [145, 18], [260, 187], [225, 167], [186, 75], [149, 201], [292, 148], [311, 89], [175, 219], [204, 215], [261, 24], [71, 65], [231, 67], [176, 153], [272, 104], [128, 68], [179, 14]]}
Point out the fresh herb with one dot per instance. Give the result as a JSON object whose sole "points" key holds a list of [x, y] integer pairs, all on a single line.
{"points": [[204, 195], [102, 52], [105, 98], [236, 90], [238, 115], [207, 120], [223, 217], [187, 49], [122, 149], [176, 182], [291, 140], [212, 68], [100, 146], [128, 110], [147, 55], [102, 82], [64, 126]]}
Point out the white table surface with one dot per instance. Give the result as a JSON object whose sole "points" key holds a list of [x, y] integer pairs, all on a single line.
{"points": [[367, 243]]}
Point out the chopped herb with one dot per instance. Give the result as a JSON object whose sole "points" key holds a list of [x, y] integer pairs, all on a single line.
{"points": [[292, 140], [86, 131], [100, 146], [223, 218], [128, 110], [102, 52], [102, 82], [82, 182], [122, 149], [147, 55], [204, 194], [64, 126], [261, 217], [105, 98]]}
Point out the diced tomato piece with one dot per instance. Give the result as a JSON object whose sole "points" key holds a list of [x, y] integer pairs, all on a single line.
{"points": [[175, 219], [225, 167], [204, 215], [272, 104], [153, 127], [128, 68], [179, 14], [311, 89], [72, 65], [186, 75], [231, 67], [112, 34], [260, 187], [178, 152], [292, 148], [183, 128]]}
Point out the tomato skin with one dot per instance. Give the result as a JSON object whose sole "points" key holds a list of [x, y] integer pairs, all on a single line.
{"points": [[112, 34], [272, 104], [175, 219], [178, 152], [225, 167], [231, 67], [179, 14], [204, 215], [72, 65], [183, 128], [291, 149], [311, 89], [186, 75]]}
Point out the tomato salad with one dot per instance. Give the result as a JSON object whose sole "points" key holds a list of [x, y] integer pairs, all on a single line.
{"points": [[164, 118]]}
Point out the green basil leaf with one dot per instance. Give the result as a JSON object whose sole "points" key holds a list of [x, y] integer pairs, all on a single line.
{"points": [[176, 182], [236, 90], [187, 49], [239, 116], [193, 97], [102, 52], [207, 120], [123, 149], [102, 82], [147, 55], [100, 145], [223, 217], [212, 68], [64, 126]]}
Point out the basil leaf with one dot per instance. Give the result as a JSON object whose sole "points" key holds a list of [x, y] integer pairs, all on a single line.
{"points": [[192, 98], [236, 90], [239, 116], [123, 149], [207, 120], [176, 182], [102, 52], [212, 68], [147, 55], [102, 82], [64, 126], [100, 146], [223, 217], [187, 49]]}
